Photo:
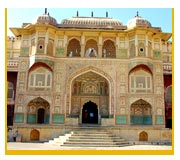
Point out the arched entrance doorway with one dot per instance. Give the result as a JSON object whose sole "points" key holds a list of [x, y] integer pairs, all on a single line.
{"points": [[87, 87], [90, 113]]}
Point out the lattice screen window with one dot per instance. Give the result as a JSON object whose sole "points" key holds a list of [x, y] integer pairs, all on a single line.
{"points": [[40, 78], [140, 82], [10, 90], [109, 49]]}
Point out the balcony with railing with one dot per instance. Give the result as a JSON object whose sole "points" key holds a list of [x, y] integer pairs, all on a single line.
{"points": [[12, 64], [167, 68]]}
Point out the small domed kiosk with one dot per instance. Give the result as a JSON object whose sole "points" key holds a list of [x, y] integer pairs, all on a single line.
{"points": [[138, 21], [46, 19]]}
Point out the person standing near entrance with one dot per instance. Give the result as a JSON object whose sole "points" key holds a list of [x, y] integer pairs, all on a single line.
{"points": [[15, 135], [91, 115]]}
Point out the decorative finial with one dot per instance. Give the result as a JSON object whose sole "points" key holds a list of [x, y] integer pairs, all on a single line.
{"points": [[45, 10], [137, 14], [91, 14], [77, 14], [106, 14]]}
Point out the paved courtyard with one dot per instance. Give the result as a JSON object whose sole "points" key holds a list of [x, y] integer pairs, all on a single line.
{"points": [[44, 146]]}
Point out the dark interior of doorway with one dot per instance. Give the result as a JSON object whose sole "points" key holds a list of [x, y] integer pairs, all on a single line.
{"points": [[90, 113], [169, 123], [41, 112]]}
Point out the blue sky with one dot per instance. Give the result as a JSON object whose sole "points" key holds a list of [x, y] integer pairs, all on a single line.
{"points": [[159, 17]]}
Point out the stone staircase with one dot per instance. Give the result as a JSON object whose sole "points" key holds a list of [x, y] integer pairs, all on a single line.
{"points": [[89, 138]]}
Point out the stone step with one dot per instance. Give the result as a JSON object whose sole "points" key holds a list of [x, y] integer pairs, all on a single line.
{"points": [[95, 136], [89, 138], [92, 135], [95, 140], [96, 143], [91, 132]]}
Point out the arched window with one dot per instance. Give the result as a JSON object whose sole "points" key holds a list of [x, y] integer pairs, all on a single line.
{"points": [[168, 94], [109, 49], [141, 113], [140, 80], [40, 79], [73, 48], [10, 90], [91, 48]]}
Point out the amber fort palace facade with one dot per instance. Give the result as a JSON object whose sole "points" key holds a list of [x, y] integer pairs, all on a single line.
{"points": [[89, 71]]}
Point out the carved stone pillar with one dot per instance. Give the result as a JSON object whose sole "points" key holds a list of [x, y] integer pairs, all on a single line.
{"points": [[136, 45], [82, 50], [100, 51], [146, 46], [46, 42]]}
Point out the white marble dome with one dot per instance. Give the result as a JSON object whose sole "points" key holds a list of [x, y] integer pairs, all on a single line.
{"points": [[138, 21]]}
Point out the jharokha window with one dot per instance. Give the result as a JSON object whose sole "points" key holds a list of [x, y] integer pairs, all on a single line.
{"points": [[140, 81], [40, 79]]}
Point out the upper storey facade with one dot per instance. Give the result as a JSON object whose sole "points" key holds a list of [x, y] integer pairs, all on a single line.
{"points": [[89, 37]]}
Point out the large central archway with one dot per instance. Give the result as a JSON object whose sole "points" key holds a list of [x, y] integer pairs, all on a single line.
{"points": [[75, 98], [92, 88], [90, 113]]}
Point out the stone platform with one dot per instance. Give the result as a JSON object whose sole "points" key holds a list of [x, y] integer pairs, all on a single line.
{"points": [[155, 135]]}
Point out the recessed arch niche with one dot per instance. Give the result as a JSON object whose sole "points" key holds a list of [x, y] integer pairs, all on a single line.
{"points": [[38, 111], [93, 87]]}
